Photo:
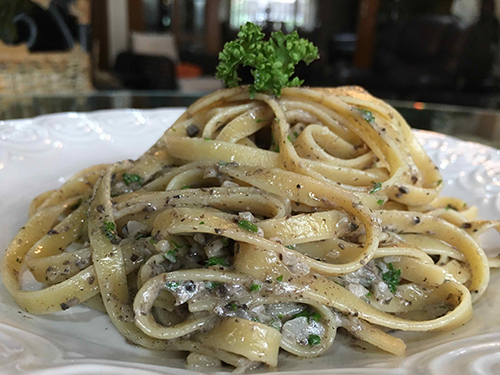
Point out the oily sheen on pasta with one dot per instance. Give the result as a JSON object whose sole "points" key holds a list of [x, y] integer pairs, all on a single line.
{"points": [[255, 225]]}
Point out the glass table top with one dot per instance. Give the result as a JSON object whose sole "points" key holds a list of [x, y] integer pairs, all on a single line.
{"points": [[472, 124]]}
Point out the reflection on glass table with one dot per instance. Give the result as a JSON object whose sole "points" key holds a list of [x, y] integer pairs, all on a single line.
{"points": [[471, 124]]}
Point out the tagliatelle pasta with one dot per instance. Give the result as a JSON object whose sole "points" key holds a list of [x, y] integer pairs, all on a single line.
{"points": [[259, 225]]}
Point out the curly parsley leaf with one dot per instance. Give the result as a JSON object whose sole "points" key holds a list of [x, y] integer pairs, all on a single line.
{"points": [[272, 62]]}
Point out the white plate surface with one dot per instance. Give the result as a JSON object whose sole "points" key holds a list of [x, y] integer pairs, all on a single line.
{"points": [[41, 153]]}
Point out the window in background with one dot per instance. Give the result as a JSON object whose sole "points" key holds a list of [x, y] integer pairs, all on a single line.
{"points": [[292, 14]]}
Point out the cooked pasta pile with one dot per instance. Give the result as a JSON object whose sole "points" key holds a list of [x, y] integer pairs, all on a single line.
{"points": [[255, 225]]}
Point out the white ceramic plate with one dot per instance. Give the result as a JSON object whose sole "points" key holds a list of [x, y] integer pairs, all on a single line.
{"points": [[39, 154]]}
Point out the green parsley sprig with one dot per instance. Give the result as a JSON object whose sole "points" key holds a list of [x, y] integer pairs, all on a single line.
{"points": [[272, 62]]}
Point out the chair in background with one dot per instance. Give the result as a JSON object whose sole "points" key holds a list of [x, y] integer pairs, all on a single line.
{"points": [[53, 55], [145, 72]]}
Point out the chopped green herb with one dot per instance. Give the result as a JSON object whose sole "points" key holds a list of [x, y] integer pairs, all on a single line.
{"points": [[259, 120], [153, 241], [314, 340], [280, 278], [216, 261], [77, 204], [280, 316], [367, 115], [380, 202], [130, 178], [310, 316], [233, 306], [202, 222], [222, 163], [173, 285], [368, 295], [19, 260], [272, 62], [256, 320], [276, 119], [316, 316], [170, 256], [296, 135], [392, 277], [289, 138], [207, 139], [440, 182], [290, 247], [176, 244], [255, 287], [139, 236], [213, 285], [245, 224], [109, 229], [376, 187], [185, 187], [276, 148]]}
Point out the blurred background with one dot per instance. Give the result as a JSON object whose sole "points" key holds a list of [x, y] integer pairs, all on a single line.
{"points": [[437, 51]]}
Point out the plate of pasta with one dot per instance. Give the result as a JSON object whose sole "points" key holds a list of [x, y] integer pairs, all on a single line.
{"points": [[264, 228]]}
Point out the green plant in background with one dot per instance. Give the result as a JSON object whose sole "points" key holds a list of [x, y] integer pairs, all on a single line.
{"points": [[8, 10]]}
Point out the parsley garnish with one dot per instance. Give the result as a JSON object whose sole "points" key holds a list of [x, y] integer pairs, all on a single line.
{"points": [[130, 178], [310, 316], [280, 278], [153, 241], [289, 138], [255, 287], [222, 163], [272, 63], [245, 224], [216, 261], [213, 285], [392, 277], [207, 139], [440, 182], [139, 236], [289, 247], [173, 285], [176, 244], [313, 340], [202, 222], [185, 187], [380, 202], [170, 256], [369, 294], [259, 120], [109, 229], [376, 187], [233, 306], [367, 115], [19, 260]]}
